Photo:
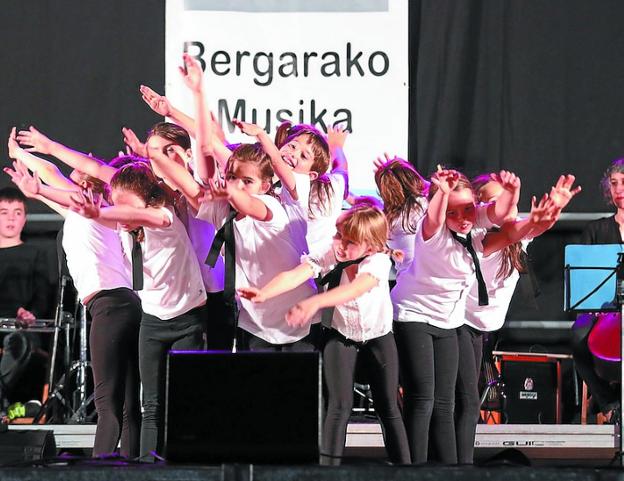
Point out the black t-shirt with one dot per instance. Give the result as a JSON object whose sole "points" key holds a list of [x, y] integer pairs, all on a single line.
{"points": [[23, 280], [602, 231]]}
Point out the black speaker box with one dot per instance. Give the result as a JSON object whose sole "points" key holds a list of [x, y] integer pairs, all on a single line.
{"points": [[245, 407], [531, 392], [26, 445]]}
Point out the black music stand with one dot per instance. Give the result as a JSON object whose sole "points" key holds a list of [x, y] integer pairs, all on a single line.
{"points": [[594, 281]]}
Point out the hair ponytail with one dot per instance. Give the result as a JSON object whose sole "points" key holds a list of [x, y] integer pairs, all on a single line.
{"points": [[282, 134]]}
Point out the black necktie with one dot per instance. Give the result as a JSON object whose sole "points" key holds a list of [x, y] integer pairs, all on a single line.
{"points": [[137, 261], [332, 279], [467, 243], [225, 235]]}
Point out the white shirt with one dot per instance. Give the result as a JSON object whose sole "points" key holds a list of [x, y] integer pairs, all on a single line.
{"points": [[433, 289], [370, 315], [202, 234], [94, 256], [297, 210], [263, 250], [500, 292], [172, 282], [400, 239], [322, 223]]}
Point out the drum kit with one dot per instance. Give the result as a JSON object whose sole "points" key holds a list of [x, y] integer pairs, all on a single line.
{"points": [[69, 397]]}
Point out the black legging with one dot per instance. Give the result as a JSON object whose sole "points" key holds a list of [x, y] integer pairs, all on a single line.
{"points": [[467, 401], [382, 366], [115, 319], [428, 358], [156, 338]]}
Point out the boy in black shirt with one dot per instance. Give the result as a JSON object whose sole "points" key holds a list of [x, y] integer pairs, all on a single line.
{"points": [[23, 288]]}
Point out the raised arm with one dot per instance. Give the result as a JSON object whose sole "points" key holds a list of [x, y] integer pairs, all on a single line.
{"points": [[133, 142], [435, 218], [283, 171], [177, 176], [239, 199], [31, 187], [47, 171], [77, 160], [204, 153], [303, 311], [161, 105], [543, 216], [506, 206], [283, 282], [89, 207], [336, 137]]}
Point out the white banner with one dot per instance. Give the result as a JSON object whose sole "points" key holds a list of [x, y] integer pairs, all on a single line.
{"points": [[318, 62]]}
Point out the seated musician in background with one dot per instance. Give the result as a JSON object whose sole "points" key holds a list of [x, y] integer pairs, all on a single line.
{"points": [[608, 230], [23, 290]]}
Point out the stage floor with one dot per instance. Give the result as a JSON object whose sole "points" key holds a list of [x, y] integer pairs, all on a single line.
{"points": [[569, 443]]}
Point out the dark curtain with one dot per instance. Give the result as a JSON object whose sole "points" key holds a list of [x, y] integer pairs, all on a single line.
{"points": [[73, 69], [527, 85]]}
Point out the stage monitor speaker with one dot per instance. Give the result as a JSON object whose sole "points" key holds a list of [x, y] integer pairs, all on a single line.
{"points": [[21, 445], [531, 392], [246, 407]]}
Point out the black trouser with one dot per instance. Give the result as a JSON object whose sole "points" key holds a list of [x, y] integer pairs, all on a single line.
{"points": [[246, 341], [603, 394], [428, 357], [156, 338], [382, 366], [115, 319], [219, 328], [467, 400]]}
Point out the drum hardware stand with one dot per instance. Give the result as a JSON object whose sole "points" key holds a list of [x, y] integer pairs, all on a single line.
{"points": [[62, 321], [82, 401], [365, 398]]}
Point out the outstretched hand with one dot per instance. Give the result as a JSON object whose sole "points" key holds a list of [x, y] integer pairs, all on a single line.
{"points": [[445, 179], [251, 293], [133, 142], [217, 189], [508, 180], [86, 204], [542, 211], [30, 185], [250, 129], [562, 192], [336, 136], [36, 140], [381, 162], [301, 313], [191, 72], [13, 146], [158, 103]]}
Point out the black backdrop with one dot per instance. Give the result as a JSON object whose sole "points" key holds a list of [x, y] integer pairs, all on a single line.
{"points": [[73, 69], [529, 85]]}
